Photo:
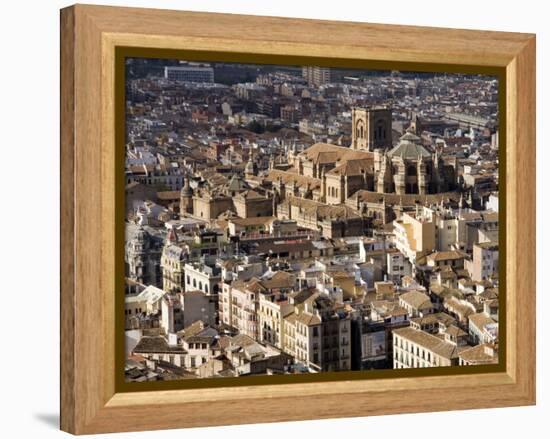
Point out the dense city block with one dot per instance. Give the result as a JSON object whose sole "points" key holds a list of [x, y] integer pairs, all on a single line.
{"points": [[288, 220]]}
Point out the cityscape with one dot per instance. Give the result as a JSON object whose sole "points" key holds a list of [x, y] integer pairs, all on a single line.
{"points": [[303, 219]]}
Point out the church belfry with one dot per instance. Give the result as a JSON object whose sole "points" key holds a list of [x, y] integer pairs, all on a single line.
{"points": [[371, 128]]}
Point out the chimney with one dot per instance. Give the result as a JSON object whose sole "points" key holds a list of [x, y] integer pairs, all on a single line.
{"points": [[172, 339]]}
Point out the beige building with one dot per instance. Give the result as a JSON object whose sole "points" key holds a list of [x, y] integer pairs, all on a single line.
{"points": [[484, 263], [414, 236], [158, 348], [204, 243], [485, 353], [414, 348], [147, 301], [250, 204], [330, 221], [274, 306], [416, 303], [451, 229], [234, 195], [238, 302], [250, 226], [318, 335], [209, 205], [172, 262], [316, 75], [482, 328], [441, 259]]}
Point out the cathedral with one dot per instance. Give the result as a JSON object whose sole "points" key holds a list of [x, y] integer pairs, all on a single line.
{"points": [[331, 174], [409, 168]]}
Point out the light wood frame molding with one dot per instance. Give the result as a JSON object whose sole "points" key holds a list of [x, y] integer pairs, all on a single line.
{"points": [[89, 36]]}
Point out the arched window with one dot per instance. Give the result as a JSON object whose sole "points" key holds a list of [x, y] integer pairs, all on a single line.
{"points": [[359, 130], [380, 131]]}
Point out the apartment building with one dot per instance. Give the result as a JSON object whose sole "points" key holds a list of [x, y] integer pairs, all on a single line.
{"points": [[414, 348], [318, 335]]}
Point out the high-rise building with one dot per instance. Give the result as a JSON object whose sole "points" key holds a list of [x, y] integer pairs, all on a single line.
{"points": [[317, 75], [189, 73]]}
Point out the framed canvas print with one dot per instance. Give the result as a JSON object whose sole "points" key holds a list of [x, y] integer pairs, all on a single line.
{"points": [[292, 219]]}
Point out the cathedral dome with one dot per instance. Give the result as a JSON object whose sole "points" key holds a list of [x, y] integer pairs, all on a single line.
{"points": [[409, 147], [236, 184]]}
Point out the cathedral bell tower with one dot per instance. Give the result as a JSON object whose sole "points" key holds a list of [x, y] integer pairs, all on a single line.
{"points": [[371, 128], [186, 198]]}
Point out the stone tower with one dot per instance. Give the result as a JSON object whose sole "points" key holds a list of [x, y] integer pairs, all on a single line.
{"points": [[186, 198], [371, 128], [399, 177], [385, 183], [142, 258], [422, 178], [250, 169]]}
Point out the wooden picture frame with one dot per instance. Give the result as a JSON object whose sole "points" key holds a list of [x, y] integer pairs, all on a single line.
{"points": [[91, 402]]}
